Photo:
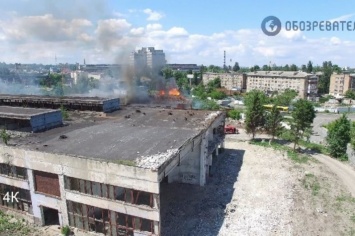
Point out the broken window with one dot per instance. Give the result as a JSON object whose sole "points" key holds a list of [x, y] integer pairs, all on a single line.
{"points": [[23, 197], [13, 171], [107, 222], [143, 198], [109, 191]]}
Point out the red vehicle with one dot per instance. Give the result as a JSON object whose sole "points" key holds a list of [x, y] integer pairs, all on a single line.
{"points": [[230, 129]]}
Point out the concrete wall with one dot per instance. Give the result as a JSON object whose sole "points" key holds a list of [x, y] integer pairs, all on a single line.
{"points": [[108, 173], [46, 121], [196, 158], [351, 154], [189, 169], [111, 105]]}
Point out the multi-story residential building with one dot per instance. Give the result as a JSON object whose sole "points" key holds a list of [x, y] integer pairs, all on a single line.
{"points": [[148, 58], [340, 83], [230, 81], [270, 81]]}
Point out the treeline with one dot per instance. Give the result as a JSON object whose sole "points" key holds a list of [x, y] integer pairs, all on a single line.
{"points": [[59, 85]]}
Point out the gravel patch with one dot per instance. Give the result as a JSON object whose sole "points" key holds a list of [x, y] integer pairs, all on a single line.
{"points": [[250, 193]]}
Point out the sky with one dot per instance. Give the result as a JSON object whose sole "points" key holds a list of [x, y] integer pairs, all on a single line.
{"points": [[198, 32]]}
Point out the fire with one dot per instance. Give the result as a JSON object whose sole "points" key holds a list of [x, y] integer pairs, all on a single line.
{"points": [[161, 92], [174, 92]]}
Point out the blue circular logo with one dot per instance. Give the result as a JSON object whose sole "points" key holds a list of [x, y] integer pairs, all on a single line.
{"points": [[271, 26]]}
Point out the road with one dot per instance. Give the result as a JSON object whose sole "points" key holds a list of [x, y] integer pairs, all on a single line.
{"points": [[320, 133], [345, 172]]}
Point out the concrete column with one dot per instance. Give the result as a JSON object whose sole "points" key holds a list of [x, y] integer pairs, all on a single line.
{"points": [[217, 151], [37, 211], [156, 201], [157, 226], [203, 158], [63, 209]]}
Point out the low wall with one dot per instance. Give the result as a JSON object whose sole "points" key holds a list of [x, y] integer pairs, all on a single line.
{"points": [[351, 154]]}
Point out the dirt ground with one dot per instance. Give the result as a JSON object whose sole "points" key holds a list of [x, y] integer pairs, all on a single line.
{"points": [[259, 191]]}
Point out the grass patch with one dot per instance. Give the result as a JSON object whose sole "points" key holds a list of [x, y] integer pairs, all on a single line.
{"points": [[345, 198], [295, 156], [125, 162], [314, 147], [12, 228], [310, 182], [352, 218]]}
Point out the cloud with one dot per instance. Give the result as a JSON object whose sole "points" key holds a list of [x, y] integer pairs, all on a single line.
{"points": [[335, 41], [137, 31], [154, 27], [342, 18], [37, 38], [43, 28], [153, 15]]}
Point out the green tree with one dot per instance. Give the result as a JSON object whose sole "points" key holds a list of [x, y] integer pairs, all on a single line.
{"points": [[303, 115], [338, 137], [293, 67], [215, 94], [352, 135], [285, 98], [255, 113], [273, 122], [324, 79], [304, 68], [255, 68], [350, 94], [234, 114], [309, 67], [213, 84], [5, 136], [236, 66], [168, 73], [209, 105]]}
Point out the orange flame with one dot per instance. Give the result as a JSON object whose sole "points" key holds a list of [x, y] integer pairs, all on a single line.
{"points": [[161, 92], [174, 92]]}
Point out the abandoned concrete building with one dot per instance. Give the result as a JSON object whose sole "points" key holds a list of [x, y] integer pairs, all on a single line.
{"points": [[103, 175]]}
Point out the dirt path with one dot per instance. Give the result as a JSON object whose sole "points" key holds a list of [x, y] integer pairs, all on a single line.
{"points": [[345, 172]]}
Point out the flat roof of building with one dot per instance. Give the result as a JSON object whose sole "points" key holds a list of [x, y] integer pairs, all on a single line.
{"points": [[22, 112], [291, 74], [146, 137], [54, 99]]}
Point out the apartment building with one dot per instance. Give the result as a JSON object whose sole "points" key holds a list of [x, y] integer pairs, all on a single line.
{"points": [[148, 58], [340, 83], [270, 81], [230, 81]]}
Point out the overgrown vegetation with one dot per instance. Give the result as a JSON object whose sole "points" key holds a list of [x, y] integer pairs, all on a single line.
{"points": [[125, 162], [296, 157], [13, 228], [235, 114], [5, 136], [64, 112], [311, 182], [65, 230]]}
